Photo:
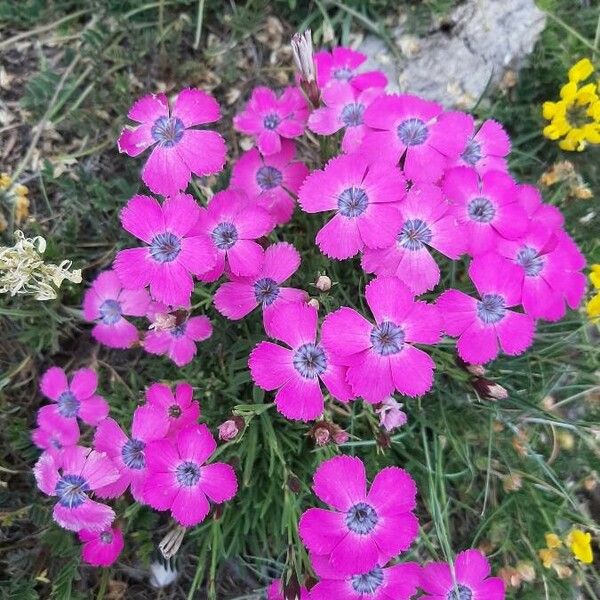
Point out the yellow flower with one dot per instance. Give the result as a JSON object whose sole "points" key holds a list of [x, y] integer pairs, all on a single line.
{"points": [[581, 70], [21, 209], [593, 307], [5, 181], [580, 543], [552, 541], [548, 557], [595, 276]]}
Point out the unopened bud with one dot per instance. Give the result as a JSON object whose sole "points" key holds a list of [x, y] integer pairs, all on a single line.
{"points": [[314, 303], [323, 283], [475, 370], [341, 437], [489, 389], [170, 544], [512, 483], [228, 430], [526, 570], [322, 436]]}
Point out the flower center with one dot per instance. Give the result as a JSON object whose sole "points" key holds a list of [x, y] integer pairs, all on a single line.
{"points": [[343, 74], [472, 153], [188, 473], [68, 405], [174, 411], [530, 261], [110, 312], [133, 454], [266, 291], [71, 490], [352, 114], [412, 132], [55, 443], [367, 583], [387, 338], [178, 331], [167, 131], [353, 202], [361, 518], [577, 116], [310, 360], [225, 235], [459, 592], [415, 234], [268, 177], [491, 308], [106, 537], [165, 247], [481, 210], [271, 121]]}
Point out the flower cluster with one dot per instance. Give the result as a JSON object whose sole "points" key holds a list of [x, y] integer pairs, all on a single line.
{"points": [[575, 118], [162, 462], [559, 553]]}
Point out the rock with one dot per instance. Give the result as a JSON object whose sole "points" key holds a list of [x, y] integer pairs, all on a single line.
{"points": [[481, 41]]}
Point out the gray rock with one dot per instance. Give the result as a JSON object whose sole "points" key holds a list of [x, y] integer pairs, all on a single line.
{"points": [[483, 40]]}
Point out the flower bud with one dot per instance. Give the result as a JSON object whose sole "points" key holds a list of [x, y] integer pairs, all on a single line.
{"points": [[230, 428], [341, 437], [314, 303], [321, 435], [390, 415], [489, 389], [170, 544], [323, 283], [302, 50]]}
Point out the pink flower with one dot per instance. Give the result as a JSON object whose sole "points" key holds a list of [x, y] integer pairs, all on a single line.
{"points": [[537, 211], [484, 325], [80, 471], [416, 130], [228, 430], [398, 582], [179, 481], [269, 118], [237, 298], [54, 433], [179, 342], [486, 149], [297, 370], [549, 265], [343, 64], [179, 410], [107, 303], [128, 454], [179, 150], [272, 181], [101, 548], [233, 223], [364, 197], [467, 579], [487, 208], [75, 399], [426, 223], [275, 591], [390, 415], [172, 252], [344, 109], [363, 530], [381, 356]]}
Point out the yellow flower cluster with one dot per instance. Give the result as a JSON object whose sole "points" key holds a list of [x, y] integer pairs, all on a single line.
{"points": [[593, 306], [15, 195], [578, 542], [576, 116]]}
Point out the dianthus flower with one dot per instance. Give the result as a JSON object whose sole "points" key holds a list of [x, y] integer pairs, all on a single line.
{"points": [[107, 303], [275, 591], [79, 472], [172, 252], [381, 583], [487, 148], [344, 109], [269, 118], [128, 454], [576, 116], [178, 150], [467, 579], [234, 223], [487, 209], [417, 131], [178, 409], [343, 65], [362, 530], [297, 371], [236, 298], [54, 433], [101, 548], [365, 199], [272, 181], [75, 399], [381, 356], [178, 342], [530, 198], [179, 481], [390, 415], [485, 324], [426, 223]]}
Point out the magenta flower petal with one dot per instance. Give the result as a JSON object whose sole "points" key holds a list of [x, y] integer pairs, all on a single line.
{"points": [[389, 299], [53, 383], [218, 482], [164, 172], [412, 371], [235, 300], [101, 548], [296, 325], [209, 161], [478, 344], [393, 491], [196, 443], [371, 377], [346, 332], [89, 515], [84, 383], [355, 554], [341, 482], [149, 108], [133, 141], [46, 474], [190, 507], [271, 365], [471, 567], [300, 399], [321, 530], [195, 107], [143, 217]]}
